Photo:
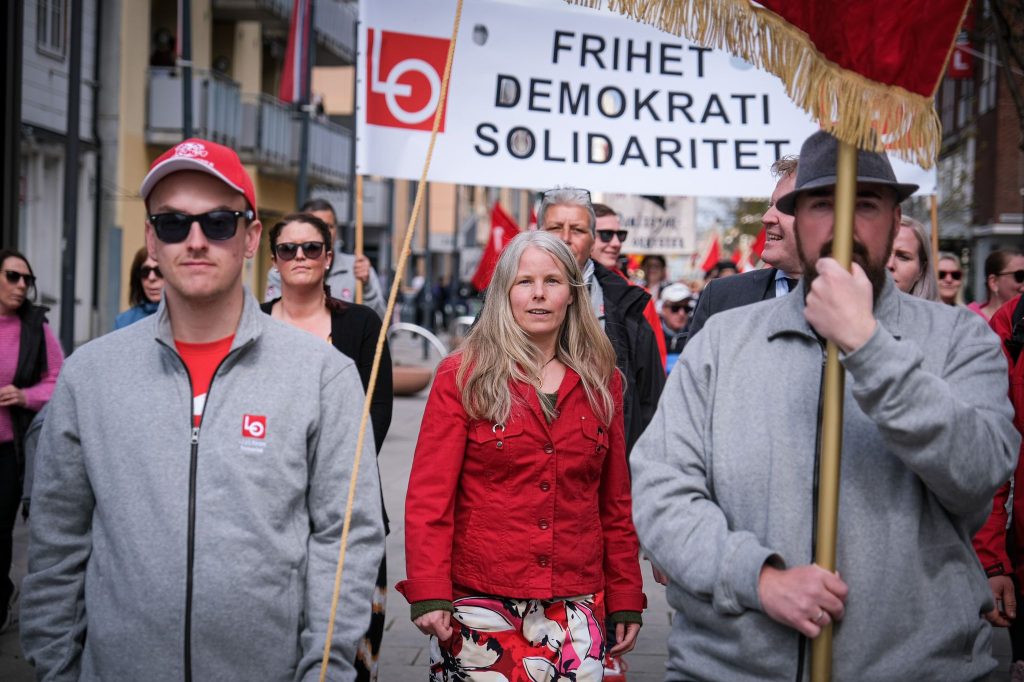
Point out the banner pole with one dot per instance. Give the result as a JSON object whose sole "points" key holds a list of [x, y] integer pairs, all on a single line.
{"points": [[359, 232], [935, 232], [832, 413]]}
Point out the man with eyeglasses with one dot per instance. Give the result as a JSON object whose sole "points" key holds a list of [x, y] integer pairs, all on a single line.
{"points": [[187, 505], [568, 213], [780, 252]]}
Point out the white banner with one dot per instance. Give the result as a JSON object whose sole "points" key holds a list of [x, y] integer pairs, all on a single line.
{"points": [[543, 93], [654, 228]]}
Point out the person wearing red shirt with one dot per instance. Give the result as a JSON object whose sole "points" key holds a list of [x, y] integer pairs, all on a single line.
{"points": [[518, 510]]}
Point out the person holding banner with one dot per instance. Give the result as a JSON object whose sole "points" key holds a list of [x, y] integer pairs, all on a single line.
{"points": [[568, 213], [724, 495], [518, 510]]}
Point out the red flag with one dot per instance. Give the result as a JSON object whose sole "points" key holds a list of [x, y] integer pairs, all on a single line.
{"points": [[757, 248], [503, 230], [293, 76], [713, 254], [533, 221]]}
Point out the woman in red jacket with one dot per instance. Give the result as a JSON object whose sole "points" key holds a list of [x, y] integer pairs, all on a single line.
{"points": [[518, 510]]}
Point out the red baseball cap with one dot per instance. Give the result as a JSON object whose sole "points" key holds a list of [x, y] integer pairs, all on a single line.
{"points": [[207, 157]]}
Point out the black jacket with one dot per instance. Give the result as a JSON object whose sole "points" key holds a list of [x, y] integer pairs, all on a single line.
{"points": [[636, 349], [31, 368], [731, 292]]}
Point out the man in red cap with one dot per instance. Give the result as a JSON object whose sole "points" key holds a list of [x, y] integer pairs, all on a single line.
{"points": [[186, 509]]}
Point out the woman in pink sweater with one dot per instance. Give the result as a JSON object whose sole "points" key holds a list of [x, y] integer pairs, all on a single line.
{"points": [[30, 359]]}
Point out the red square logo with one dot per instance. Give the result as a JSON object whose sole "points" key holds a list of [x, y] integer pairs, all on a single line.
{"points": [[254, 426], [403, 83]]}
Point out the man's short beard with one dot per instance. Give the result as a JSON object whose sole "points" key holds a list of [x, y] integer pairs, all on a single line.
{"points": [[875, 271]]}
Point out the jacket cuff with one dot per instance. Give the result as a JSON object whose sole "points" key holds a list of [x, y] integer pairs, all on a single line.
{"points": [[626, 617], [423, 589], [865, 358], [742, 577], [625, 601], [421, 608]]}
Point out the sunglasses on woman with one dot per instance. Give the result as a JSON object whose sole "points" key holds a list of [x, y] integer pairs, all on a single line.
{"points": [[606, 235], [1018, 275], [146, 270], [676, 307], [955, 274], [288, 250], [218, 226], [13, 276]]}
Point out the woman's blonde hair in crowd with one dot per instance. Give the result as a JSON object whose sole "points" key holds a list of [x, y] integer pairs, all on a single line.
{"points": [[926, 286], [498, 350]]}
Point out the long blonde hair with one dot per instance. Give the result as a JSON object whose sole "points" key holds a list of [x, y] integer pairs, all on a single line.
{"points": [[497, 349]]}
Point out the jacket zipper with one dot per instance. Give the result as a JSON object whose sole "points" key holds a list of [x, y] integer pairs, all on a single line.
{"points": [[192, 467], [802, 641]]}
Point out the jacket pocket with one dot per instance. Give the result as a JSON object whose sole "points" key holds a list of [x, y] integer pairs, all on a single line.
{"points": [[595, 446]]}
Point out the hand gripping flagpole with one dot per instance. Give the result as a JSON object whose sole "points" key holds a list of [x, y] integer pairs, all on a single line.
{"points": [[392, 297], [832, 411]]}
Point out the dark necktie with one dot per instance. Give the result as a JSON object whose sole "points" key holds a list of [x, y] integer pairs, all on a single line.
{"points": [[791, 283]]}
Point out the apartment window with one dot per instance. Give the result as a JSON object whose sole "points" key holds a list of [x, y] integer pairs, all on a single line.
{"points": [[51, 27]]}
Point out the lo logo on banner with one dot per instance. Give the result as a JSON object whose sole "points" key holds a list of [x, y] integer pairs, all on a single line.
{"points": [[404, 79]]}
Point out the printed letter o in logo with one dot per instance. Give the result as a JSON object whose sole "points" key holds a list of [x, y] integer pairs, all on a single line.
{"points": [[254, 426]]}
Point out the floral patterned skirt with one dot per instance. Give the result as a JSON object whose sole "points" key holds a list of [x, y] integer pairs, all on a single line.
{"points": [[521, 640]]}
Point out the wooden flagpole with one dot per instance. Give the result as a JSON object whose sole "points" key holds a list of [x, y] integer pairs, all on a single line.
{"points": [[935, 233], [359, 233], [831, 444]]}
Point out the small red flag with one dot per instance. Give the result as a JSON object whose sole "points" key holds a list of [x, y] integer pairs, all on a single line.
{"points": [[757, 248], [503, 230], [713, 254]]}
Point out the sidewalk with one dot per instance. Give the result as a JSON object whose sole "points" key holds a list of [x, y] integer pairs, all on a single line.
{"points": [[404, 651]]}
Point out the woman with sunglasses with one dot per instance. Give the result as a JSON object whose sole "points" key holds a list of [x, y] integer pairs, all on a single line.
{"points": [[30, 359], [910, 261], [950, 278], [301, 249], [518, 508], [1004, 279], [145, 287]]}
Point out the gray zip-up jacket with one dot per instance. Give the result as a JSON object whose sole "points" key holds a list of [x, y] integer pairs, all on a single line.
{"points": [[113, 584], [724, 479]]}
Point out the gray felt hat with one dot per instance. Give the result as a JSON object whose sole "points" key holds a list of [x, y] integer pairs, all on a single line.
{"points": [[817, 168]]}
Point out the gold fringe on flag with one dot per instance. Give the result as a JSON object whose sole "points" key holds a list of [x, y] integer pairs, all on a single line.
{"points": [[857, 110]]}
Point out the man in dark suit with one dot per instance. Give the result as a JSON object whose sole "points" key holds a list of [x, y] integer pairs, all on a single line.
{"points": [[780, 253]]}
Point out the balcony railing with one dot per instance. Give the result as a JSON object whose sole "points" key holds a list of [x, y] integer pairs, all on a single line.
{"points": [[330, 151], [216, 107], [253, 10], [336, 25], [269, 134]]}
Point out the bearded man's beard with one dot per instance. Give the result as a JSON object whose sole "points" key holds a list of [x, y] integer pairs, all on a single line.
{"points": [[875, 270]]}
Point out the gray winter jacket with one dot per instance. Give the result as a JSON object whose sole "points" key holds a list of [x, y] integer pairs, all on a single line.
{"points": [[107, 598], [723, 480]]}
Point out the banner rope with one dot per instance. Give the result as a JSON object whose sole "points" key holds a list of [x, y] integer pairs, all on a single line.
{"points": [[392, 297]]}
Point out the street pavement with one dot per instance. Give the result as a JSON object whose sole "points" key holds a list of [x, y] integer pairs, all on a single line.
{"points": [[404, 652]]}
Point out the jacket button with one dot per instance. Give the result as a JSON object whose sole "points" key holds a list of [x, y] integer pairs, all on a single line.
{"points": [[549, 448], [542, 561], [543, 524], [499, 444], [545, 486]]}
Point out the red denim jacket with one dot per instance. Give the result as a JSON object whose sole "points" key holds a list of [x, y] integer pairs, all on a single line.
{"points": [[526, 509]]}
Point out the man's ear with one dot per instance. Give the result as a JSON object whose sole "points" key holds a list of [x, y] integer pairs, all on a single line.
{"points": [[252, 238]]}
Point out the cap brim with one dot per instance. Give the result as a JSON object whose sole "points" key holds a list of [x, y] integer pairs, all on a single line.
{"points": [[181, 163], [787, 202]]}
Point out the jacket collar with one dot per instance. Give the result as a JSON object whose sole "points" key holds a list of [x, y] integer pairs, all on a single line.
{"points": [[788, 317], [250, 325], [529, 396]]}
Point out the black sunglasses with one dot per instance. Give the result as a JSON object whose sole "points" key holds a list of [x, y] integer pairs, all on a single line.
{"points": [[676, 307], [288, 250], [955, 274], [13, 276], [146, 270], [1018, 275], [606, 235], [218, 226]]}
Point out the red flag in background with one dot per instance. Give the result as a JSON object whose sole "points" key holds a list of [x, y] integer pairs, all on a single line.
{"points": [[533, 221], [503, 230], [293, 76], [712, 255], [757, 248]]}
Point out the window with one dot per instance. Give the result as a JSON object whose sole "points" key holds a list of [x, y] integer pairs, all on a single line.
{"points": [[51, 27]]}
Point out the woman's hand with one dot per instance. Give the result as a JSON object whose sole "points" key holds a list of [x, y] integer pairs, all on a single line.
{"points": [[11, 395], [625, 636], [435, 623]]}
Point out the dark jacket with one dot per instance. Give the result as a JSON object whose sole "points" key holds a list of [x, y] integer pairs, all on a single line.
{"points": [[31, 368], [636, 349], [731, 292]]}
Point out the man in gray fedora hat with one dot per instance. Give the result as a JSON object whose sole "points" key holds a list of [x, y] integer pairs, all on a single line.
{"points": [[724, 495]]}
